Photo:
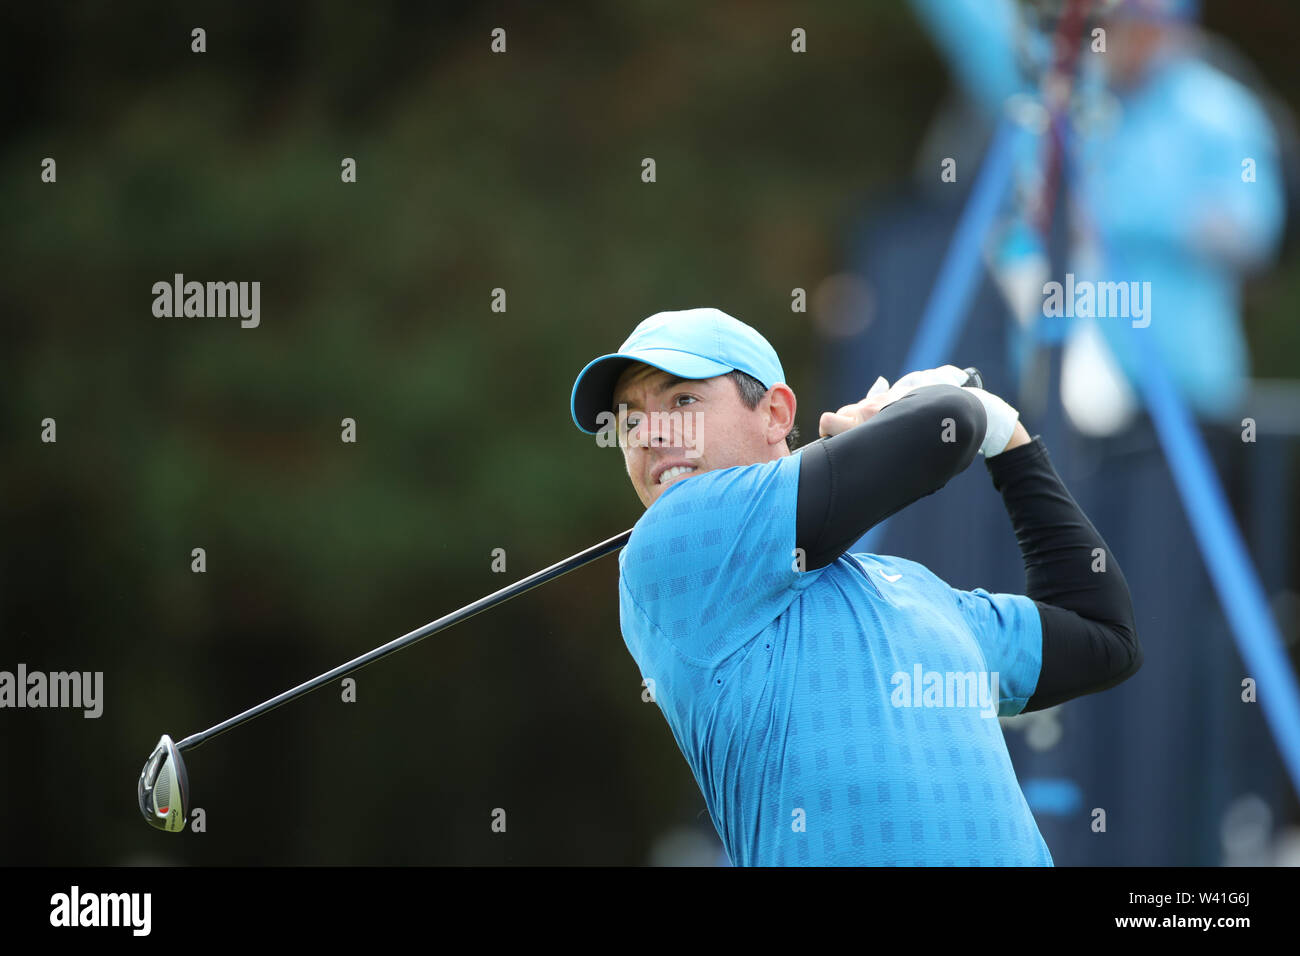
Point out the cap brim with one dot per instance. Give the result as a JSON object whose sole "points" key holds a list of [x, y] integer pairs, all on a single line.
{"points": [[593, 391]]}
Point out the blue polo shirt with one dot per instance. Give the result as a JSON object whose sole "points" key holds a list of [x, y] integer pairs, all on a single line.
{"points": [[842, 716]]}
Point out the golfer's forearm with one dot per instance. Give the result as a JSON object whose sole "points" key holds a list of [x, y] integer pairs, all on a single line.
{"points": [[1089, 633], [1018, 437], [858, 478]]}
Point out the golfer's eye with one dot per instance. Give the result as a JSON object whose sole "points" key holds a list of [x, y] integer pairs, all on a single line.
{"points": [[632, 421]]}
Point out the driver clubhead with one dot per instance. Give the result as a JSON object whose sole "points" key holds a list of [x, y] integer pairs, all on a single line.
{"points": [[165, 788]]}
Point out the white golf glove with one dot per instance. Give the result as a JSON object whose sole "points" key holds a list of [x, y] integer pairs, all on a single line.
{"points": [[943, 375], [1002, 418]]}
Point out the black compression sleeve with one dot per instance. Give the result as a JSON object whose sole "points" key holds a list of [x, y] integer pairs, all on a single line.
{"points": [[908, 450], [1089, 632]]}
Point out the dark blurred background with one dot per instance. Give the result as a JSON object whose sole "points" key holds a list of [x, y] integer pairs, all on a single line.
{"points": [[474, 172]]}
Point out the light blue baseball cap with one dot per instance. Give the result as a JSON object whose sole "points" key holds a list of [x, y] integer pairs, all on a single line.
{"points": [[690, 343]]}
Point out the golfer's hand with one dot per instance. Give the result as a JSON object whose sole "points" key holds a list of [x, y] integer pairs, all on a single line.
{"points": [[882, 394]]}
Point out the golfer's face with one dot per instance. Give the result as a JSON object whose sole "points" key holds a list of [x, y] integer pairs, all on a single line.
{"points": [[672, 428]]}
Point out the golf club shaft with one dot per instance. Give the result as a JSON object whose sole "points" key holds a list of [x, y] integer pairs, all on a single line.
{"points": [[433, 627]]}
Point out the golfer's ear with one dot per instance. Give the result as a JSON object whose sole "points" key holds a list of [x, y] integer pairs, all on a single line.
{"points": [[780, 411]]}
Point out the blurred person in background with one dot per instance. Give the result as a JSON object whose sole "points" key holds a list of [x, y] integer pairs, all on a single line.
{"points": [[1176, 181]]}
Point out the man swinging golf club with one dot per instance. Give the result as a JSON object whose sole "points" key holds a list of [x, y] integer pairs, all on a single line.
{"points": [[837, 709]]}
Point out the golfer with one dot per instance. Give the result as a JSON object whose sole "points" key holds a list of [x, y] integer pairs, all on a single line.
{"points": [[840, 709]]}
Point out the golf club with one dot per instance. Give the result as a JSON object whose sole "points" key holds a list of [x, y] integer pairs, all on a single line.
{"points": [[163, 789]]}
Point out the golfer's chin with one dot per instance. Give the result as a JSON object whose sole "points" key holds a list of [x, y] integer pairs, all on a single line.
{"points": [[658, 489]]}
